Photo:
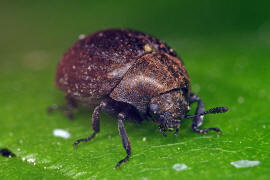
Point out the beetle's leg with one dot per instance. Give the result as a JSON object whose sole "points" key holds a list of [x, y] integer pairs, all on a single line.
{"points": [[95, 124], [124, 137], [70, 106], [198, 121], [162, 130], [176, 132]]}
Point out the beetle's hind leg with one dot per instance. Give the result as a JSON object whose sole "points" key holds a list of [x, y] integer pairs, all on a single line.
{"points": [[124, 137], [198, 120], [67, 109], [95, 124]]}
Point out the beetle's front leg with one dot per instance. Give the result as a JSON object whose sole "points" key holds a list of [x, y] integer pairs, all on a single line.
{"points": [[198, 120]]}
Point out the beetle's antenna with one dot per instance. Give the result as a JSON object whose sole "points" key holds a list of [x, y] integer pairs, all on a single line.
{"points": [[210, 111]]}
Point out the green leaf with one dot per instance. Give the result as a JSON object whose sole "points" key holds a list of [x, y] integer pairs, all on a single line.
{"points": [[228, 66]]}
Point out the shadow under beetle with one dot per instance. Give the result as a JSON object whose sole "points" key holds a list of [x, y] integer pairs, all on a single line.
{"points": [[129, 75]]}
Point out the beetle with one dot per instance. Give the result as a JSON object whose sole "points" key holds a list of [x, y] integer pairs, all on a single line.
{"points": [[131, 76]]}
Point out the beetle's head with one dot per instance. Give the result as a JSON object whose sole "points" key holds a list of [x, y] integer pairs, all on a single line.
{"points": [[169, 108]]}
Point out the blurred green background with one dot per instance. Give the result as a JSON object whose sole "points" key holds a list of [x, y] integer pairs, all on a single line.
{"points": [[225, 46]]}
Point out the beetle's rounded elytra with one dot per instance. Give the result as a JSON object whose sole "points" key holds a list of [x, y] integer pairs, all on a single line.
{"points": [[129, 75]]}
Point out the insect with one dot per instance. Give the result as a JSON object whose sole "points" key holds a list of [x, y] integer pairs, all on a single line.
{"points": [[131, 76], [6, 153]]}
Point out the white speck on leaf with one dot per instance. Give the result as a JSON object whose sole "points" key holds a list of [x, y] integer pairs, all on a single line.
{"points": [[79, 174], [61, 133], [240, 100], [30, 159], [143, 178], [144, 139], [244, 163], [54, 167], [179, 167]]}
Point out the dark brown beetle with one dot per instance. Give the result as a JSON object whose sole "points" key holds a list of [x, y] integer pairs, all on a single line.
{"points": [[130, 75]]}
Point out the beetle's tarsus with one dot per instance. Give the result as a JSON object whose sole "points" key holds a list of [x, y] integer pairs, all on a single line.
{"points": [[75, 144], [176, 132], [95, 126], [205, 131], [122, 161]]}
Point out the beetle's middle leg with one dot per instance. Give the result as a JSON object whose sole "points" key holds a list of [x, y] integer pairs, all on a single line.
{"points": [[95, 124], [198, 120], [124, 137]]}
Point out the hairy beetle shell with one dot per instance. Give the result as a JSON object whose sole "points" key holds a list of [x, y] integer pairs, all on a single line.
{"points": [[93, 66]]}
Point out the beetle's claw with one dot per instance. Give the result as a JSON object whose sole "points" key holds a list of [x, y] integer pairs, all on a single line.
{"points": [[176, 132], [69, 115], [205, 131], [75, 144], [219, 132], [163, 134], [117, 166]]}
